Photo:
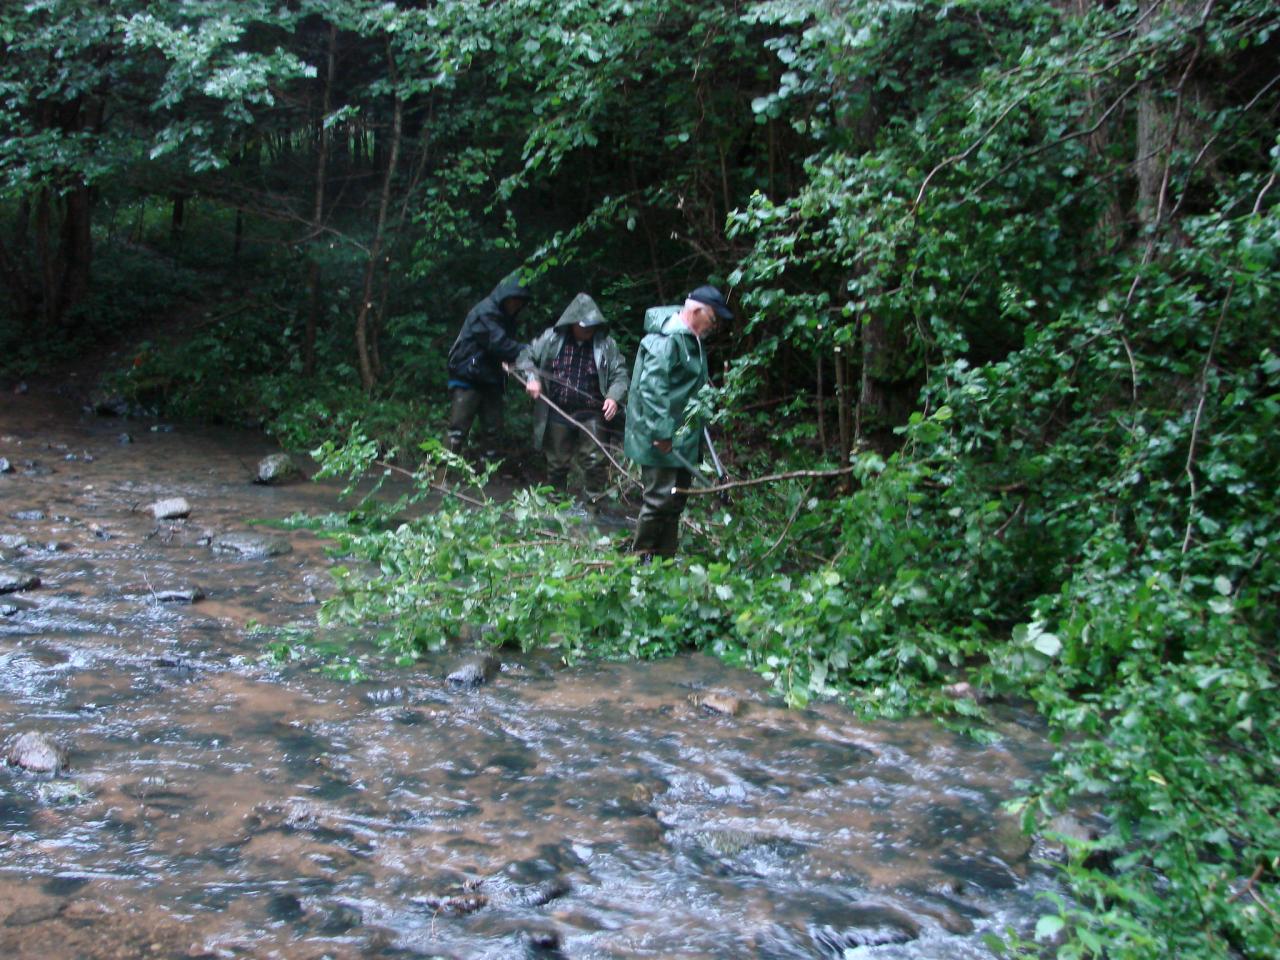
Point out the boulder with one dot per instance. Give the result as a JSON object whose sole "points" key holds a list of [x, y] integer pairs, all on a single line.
{"points": [[277, 468], [187, 594], [474, 672], [250, 546], [5, 466], [13, 579], [37, 753], [719, 703], [173, 508]]}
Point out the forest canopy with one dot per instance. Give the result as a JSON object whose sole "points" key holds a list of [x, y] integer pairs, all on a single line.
{"points": [[1006, 269]]}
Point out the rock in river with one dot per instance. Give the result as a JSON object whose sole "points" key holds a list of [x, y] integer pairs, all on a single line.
{"points": [[13, 579], [174, 508], [276, 468], [250, 546], [187, 594], [475, 671], [36, 752], [5, 466]]}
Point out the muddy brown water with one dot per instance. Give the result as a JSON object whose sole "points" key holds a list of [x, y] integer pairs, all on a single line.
{"points": [[219, 805]]}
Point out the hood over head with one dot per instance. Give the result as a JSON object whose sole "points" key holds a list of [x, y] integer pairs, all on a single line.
{"points": [[657, 318], [582, 309], [510, 287]]}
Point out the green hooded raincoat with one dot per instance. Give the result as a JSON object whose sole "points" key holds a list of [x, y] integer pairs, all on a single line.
{"points": [[670, 368]]}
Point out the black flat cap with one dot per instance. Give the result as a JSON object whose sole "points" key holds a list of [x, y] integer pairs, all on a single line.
{"points": [[714, 299]]}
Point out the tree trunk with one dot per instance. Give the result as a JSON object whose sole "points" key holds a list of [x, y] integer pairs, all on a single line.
{"points": [[1164, 111], [317, 210], [368, 375]]}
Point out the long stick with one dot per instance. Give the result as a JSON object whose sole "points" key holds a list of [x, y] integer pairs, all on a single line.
{"points": [[594, 439], [772, 478]]}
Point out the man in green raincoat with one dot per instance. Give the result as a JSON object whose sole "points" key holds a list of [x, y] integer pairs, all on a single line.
{"points": [[670, 368], [486, 342], [577, 365]]}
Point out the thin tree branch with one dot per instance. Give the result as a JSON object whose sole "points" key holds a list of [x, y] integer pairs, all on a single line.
{"points": [[771, 478], [1195, 426]]}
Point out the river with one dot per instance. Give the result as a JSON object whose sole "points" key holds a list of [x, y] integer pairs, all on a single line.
{"points": [[219, 804]]}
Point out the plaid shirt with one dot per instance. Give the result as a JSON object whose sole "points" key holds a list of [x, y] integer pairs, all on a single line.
{"points": [[575, 381]]}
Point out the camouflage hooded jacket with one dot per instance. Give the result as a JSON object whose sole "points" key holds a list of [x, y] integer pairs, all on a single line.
{"points": [[536, 358]]}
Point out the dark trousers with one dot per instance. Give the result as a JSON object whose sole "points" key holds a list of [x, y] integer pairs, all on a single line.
{"points": [[467, 403], [563, 443], [658, 526]]}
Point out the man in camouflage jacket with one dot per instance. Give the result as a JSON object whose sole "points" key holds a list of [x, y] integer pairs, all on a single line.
{"points": [[578, 366]]}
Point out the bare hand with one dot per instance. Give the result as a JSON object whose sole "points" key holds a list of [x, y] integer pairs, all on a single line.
{"points": [[533, 387], [610, 408], [662, 446]]}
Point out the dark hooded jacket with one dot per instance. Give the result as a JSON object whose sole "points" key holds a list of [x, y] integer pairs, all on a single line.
{"points": [[536, 359], [487, 340]]}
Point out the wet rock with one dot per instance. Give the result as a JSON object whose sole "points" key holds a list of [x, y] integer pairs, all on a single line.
{"points": [[250, 546], [539, 894], [964, 691], [62, 793], [13, 541], [285, 906], [173, 508], [277, 468], [36, 753], [476, 671], [159, 793], [27, 515], [123, 439], [333, 917], [5, 466], [1061, 832], [188, 594], [33, 913], [540, 942], [458, 905], [718, 703], [842, 931], [110, 405], [12, 579], [180, 666]]}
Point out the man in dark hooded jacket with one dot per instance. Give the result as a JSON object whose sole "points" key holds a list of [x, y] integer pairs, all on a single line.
{"points": [[578, 366], [477, 380]]}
